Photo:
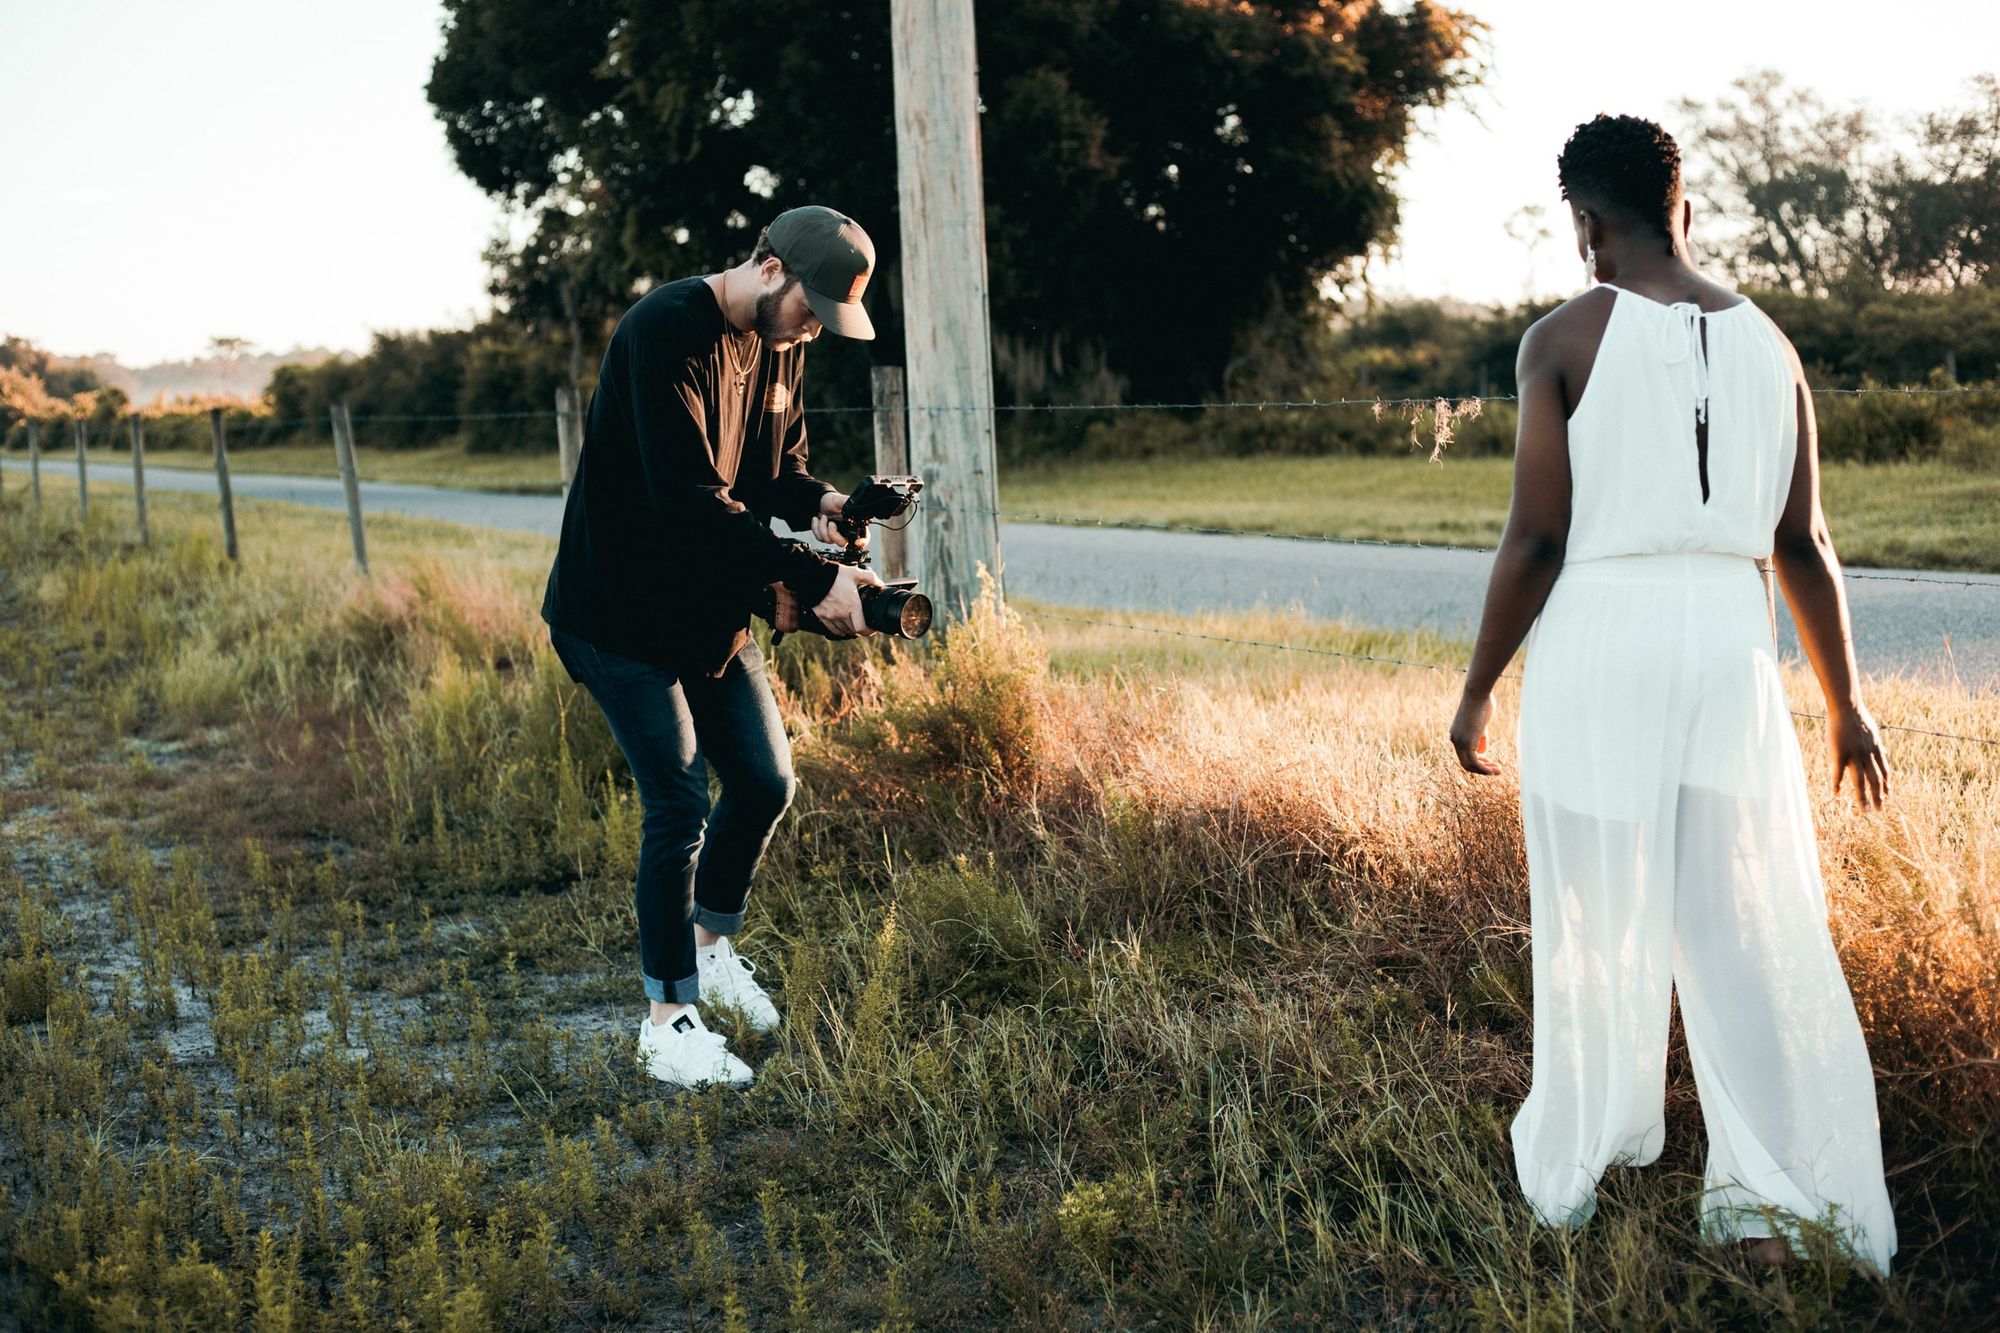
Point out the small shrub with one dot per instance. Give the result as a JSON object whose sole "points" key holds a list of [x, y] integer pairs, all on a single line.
{"points": [[970, 936]]}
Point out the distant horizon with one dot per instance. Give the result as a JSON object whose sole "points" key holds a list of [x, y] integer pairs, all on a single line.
{"points": [[272, 226]]}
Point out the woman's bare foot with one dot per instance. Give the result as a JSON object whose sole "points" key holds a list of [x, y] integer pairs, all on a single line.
{"points": [[1770, 1251]]}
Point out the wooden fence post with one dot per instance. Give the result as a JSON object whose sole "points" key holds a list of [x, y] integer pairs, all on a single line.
{"points": [[892, 459], [35, 461], [82, 476], [222, 484], [945, 320], [139, 476], [569, 432], [350, 481]]}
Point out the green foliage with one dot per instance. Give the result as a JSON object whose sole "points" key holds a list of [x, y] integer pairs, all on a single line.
{"points": [[1856, 338], [427, 378], [971, 936], [1815, 198], [1863, 334], [1236, 194]]}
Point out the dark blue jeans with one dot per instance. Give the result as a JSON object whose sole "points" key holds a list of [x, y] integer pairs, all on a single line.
{"points": [[694, 864]]}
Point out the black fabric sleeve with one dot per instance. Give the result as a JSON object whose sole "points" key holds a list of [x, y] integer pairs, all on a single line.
{"points": [[684, 487], [795, 493]]}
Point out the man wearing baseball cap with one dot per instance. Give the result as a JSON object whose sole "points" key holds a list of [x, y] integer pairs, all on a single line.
{"points": [[695, 439]]}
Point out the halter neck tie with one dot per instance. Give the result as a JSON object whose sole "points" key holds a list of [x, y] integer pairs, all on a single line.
{"points": [[1680, 339]]}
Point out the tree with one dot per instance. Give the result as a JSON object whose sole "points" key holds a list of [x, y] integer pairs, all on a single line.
{"points": [[1941, 203], [1160, 174], [1815, 197], [1529, 224]]}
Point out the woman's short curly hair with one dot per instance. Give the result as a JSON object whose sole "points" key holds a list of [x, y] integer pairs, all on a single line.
{"points": [[1626, 164]]}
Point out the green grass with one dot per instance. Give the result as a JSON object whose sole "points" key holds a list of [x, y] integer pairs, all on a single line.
{"points": [[1130, 979], [1898, 515]]}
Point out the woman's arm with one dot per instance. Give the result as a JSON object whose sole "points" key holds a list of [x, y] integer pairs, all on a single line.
{"points": [[1809, 572], [1531, 550]]}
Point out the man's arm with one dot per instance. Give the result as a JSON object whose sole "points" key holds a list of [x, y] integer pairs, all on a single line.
{"points": [[1809, 571], [1531, 551], [677, 464]]}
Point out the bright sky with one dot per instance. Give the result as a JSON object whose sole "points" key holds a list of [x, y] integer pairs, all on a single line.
{"points": [[1556, 63], [265, 169], [269, 169]]}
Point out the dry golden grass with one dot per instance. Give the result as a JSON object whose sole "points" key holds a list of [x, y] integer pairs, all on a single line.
{"points": [[1127, 978]]}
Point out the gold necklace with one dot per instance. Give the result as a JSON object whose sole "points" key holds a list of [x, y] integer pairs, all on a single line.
{"points": [[740, 369]]}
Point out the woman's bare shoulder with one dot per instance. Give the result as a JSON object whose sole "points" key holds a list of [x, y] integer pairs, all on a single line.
{"points": [[1576, 325]]}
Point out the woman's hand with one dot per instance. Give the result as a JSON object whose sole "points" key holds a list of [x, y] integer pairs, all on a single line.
{"points": [[1468, 734], [1857, 744]]}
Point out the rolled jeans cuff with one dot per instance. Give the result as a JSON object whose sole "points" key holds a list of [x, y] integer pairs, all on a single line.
{"points": [[722, 923], [685, 991]]}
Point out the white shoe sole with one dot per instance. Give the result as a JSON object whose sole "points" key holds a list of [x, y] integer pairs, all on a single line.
{"points": [[674, 1081]]}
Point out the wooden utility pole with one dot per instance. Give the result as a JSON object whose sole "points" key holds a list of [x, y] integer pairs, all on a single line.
{"points": [[945, 327], [139, 476], [222, 484], [569, 432], [350, 481], [35, 461], [892, 459], [82, 476]]}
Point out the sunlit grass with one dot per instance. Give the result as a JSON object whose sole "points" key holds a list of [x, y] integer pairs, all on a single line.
{"points": [[1128, 977]]}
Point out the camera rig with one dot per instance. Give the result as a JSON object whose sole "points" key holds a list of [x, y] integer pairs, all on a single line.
{"points": [[896, 608]]}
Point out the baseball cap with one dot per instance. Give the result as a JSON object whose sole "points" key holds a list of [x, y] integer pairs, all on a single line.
{"points": [[833, 258]]}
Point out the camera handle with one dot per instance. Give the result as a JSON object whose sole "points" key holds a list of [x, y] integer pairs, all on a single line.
{"points": [[856, 531]]}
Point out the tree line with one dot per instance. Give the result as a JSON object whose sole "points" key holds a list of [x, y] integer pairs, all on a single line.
{"points": [[1142, 246]]}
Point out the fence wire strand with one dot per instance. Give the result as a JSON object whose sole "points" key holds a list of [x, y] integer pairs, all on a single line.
{"points": [[1427, 666], [1137, 525]]}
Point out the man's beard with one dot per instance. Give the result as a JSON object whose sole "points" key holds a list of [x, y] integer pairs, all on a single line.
{"points": [[765, 320]]}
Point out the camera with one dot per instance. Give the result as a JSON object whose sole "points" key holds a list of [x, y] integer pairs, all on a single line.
{"points": [[897, 608]]}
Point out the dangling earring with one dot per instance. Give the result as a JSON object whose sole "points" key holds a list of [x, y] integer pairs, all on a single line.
{"points": [[1590, 266]]}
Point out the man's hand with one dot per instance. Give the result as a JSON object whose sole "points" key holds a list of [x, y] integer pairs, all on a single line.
{"points": [[823, 528], [1468, 734], [841, 611]]}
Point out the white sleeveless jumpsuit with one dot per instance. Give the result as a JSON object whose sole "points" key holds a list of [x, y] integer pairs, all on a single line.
{"points": [[1669, 835]]}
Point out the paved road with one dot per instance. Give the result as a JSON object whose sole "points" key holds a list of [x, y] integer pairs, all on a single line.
{"points": [[1901, 625]]}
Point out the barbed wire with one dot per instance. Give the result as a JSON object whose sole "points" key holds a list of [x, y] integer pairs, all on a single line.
{"points": [[268, 424], [1911, 731], [1426, 401], [1453, 401], [1427, 666], [1137, 525], [457, 416]]}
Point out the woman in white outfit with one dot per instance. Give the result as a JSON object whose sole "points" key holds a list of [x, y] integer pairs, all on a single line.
{"points": [[1667, 445]]}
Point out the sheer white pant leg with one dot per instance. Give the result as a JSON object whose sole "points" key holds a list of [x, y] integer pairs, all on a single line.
{"points": [[1602, 912], [1787, 1089], [1600, 733]]}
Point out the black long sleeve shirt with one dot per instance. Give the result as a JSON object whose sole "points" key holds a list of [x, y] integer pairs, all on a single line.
{"points": [[695, 439]]}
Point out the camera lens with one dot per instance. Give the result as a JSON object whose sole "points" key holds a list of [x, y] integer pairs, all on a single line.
{"points": [[914, 620], [903, 612]]}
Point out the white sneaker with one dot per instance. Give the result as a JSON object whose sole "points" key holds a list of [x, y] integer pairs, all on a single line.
{"points": [[728, 978], [683, 1052]]}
